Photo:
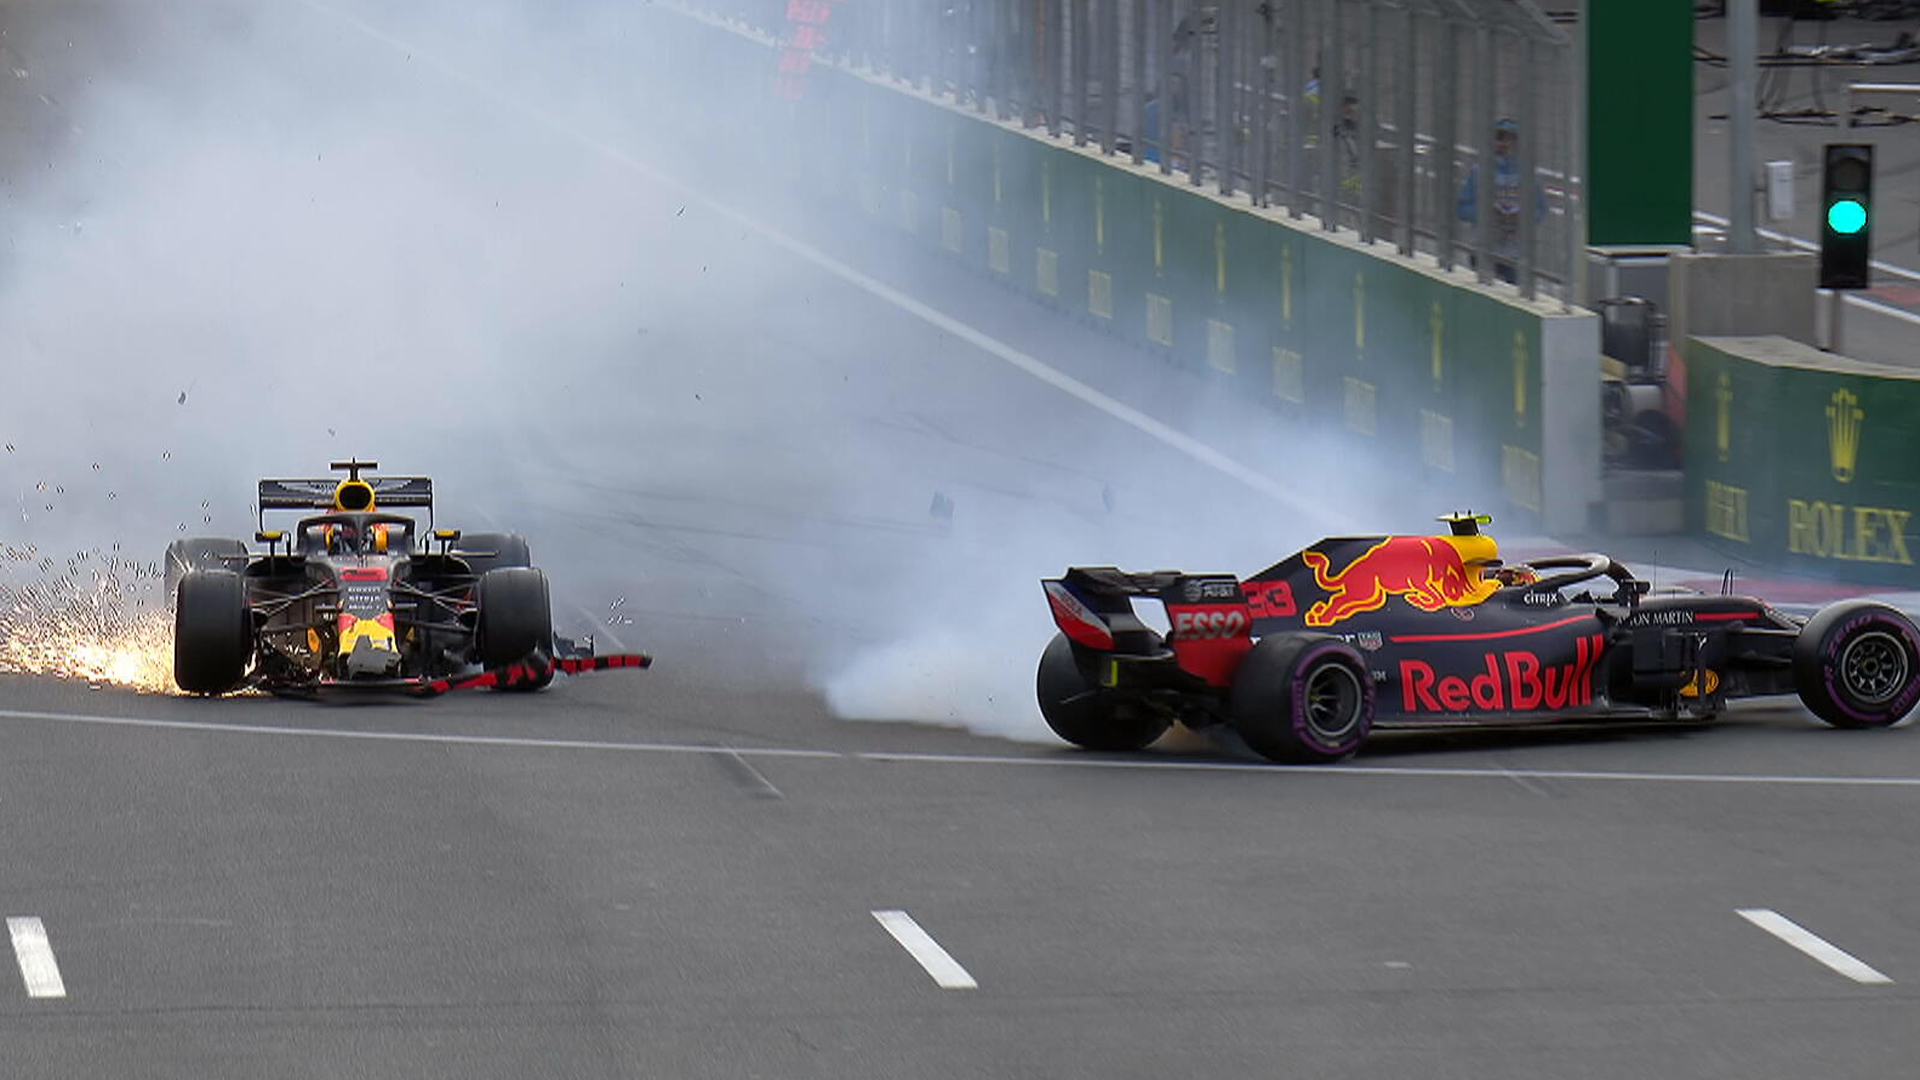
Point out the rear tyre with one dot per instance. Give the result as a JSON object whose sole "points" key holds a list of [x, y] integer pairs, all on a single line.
{"points": [[494, 550], [1085, 715], [516, 621], [1856, 664], [212, 632], [199, 553], [1302, 699]]}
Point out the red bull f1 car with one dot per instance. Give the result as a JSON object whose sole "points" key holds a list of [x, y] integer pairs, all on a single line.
{"points": [[357, 597], [1307, 657]]}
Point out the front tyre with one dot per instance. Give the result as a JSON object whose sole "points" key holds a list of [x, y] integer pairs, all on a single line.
{"points": [[1302, 699], [199, 553], [1856, 664], [516, 622], [491, 551], [1082, 713], [212, 632]]}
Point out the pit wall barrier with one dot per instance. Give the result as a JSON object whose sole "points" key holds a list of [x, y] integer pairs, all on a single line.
{"points": [[1802, 460], [1466, 392]]}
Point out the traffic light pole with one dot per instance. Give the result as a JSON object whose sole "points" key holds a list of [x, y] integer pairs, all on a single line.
{"points": [[1837, 298], [1837, 304]]}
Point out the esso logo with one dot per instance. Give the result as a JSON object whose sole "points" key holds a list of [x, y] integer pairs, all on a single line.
{"points": [[1217, 623], [1270, 599]]}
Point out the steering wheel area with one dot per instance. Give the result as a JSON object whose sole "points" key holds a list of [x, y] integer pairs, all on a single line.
{"points": [[1574, 569]]}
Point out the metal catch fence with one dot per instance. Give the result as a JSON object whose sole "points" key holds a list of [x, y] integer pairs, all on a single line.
{"points": [[1371, 115]]}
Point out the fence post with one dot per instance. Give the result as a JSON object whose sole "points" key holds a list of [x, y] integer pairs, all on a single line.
{"points": [[1530, 192], [1483, 156]]}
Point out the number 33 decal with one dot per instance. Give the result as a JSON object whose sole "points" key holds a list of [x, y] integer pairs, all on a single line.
{"points": [[1269, 599]]}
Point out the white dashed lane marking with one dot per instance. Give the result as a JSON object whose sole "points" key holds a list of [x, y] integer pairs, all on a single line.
{"points": [[946, 971], [37, 967], [1813, 945]]}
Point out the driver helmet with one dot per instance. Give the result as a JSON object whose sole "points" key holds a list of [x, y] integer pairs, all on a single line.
{"points": [[1516, 576], [340, 539]]}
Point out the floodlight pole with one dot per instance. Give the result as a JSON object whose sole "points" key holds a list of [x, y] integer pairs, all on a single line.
{"points": [[1743, 18]]}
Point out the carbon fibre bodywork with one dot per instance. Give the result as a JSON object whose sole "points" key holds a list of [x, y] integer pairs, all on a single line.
{"points": [[1442, 644], [357, 598]]}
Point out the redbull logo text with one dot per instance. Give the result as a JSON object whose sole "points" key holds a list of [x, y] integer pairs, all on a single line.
{"points": [[1514, 681], [1428, 571]]}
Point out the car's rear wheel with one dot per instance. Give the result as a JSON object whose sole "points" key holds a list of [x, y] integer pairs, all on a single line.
{"points": [[212, 632], [1303, 699], [199, 553], [1084, 714], [516, 622], [1856, 664]]}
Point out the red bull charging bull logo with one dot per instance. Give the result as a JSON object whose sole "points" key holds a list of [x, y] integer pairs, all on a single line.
{"points": [[1429, 571]]}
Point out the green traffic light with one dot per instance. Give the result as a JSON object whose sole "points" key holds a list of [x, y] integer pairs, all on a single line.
{"points": [[1846, 216]]}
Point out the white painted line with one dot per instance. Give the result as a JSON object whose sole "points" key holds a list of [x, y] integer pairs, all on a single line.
{"points": [[37, 966], [417, 736], [756, 781], [946, 971], [1042, 759], [1807, 942], [1126, 414], [1077, 761]]}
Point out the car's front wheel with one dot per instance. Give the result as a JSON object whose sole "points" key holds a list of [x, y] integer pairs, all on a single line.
{"points": [[1856, 664], [1084, 714], [1303, 699], [516, 622], [212, 632], [199, 553]]}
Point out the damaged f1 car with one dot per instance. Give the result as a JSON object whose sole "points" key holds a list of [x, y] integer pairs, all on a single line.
{"points": [[1304, 659], [358, 597]]}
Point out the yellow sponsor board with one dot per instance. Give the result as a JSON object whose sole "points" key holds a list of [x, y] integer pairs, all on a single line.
{"points": [[1361, 406], [1100, 294], [1727, 511], [1436, 439], [1159, 320], [1289, 375], [1824, 530], [1220, 350], [1046, 271], [1520, 476]]}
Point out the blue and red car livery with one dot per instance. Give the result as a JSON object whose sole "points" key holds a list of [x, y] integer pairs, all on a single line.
{"points": [[1308, 656]]}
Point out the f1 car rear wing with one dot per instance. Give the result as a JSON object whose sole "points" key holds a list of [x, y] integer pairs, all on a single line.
{"points": [[317, 494], [1093, 605], [1209, 620]]}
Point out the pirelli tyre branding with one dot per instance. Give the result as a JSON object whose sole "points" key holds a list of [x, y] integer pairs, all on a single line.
{"points": [[1510, 680]]}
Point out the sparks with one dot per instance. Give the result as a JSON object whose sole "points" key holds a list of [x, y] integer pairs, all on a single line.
{"points": [[88, 623]]}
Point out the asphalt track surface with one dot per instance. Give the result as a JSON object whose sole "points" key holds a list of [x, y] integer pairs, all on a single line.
{"points": [[693, 871]]}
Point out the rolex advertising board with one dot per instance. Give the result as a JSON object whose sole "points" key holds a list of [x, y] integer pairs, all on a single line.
{"points": [[1803, 460]]}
